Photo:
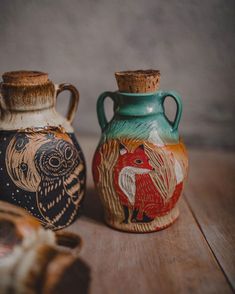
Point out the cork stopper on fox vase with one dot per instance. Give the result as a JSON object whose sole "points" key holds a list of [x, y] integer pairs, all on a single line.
{"points": [[138, 81], [24, 77]]}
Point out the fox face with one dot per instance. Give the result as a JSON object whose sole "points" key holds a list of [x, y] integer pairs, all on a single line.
{"points": [[137, 159]]}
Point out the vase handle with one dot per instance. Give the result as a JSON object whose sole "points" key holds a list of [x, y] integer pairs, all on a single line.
{"points": [[100, 108], [74, 99], [68, 239], [176, 97]]}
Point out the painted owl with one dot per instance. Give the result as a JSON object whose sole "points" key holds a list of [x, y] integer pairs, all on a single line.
{"points": [[49, 164]]}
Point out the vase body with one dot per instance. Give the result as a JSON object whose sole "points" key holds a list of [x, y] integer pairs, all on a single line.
{"points": [[140, 164], [42, 167]]}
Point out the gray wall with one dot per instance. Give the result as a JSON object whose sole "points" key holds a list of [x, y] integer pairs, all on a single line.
{"points": [[192, 42]]}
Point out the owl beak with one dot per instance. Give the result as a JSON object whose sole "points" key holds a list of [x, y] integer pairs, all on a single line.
{"points": [[65, 164]]}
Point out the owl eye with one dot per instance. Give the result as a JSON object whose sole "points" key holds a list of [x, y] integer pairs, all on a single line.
{"points": [[138, 161], [68, 153], [24, 166], [21, 142], [54, 162]]}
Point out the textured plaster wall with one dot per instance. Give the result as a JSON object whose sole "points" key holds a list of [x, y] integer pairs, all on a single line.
{"points": [[192, 42]]}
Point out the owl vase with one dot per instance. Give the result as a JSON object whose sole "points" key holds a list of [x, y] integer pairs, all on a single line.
{"points": [[42, 168], [140, 164]]}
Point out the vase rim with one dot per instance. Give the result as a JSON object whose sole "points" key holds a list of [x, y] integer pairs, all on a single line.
{"points": [[138, 73], [137, 94], [25, 77]]}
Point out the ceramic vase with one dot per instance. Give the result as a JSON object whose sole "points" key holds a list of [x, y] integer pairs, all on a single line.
{"points": [[42, 167], [140, 165]]}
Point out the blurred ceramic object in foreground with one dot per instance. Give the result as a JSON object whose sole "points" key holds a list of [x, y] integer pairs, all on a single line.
{"points": [[30, 261]]}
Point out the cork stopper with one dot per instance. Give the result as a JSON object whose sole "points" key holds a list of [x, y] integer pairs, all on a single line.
{"points": [[24, 77], [138, 81]]}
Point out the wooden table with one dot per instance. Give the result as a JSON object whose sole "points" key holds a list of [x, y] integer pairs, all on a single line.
{"points": [[195, 255]]}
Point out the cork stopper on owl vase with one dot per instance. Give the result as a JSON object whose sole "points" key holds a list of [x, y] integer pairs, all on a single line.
{"points": [[24, 77], [138, 81]]}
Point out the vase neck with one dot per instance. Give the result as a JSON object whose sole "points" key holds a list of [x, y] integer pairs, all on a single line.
{"points": [[22, 98], [137, 104]]}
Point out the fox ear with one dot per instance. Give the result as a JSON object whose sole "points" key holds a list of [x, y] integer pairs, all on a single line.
{"points": [[122, 149], [141, 147]]}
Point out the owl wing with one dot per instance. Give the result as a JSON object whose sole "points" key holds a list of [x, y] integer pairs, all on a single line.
{"points": [[55, 204], [73, 184], [127, 184]]}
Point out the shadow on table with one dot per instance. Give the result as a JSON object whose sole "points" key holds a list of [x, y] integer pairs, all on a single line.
{"points": [[75, 279], [92, 206]]}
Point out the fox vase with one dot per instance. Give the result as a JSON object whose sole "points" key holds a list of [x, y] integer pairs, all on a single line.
{"points": [[140, 165]]}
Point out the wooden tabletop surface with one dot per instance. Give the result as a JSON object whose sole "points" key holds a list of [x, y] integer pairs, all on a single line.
{"points": [[195, 255]]}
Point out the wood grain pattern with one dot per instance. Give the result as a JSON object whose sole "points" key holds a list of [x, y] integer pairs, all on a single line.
{"points": [[151, 188], [211, 196], [175, 260]]}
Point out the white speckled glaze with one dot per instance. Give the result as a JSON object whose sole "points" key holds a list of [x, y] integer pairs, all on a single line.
{"points": [[39, 114]]}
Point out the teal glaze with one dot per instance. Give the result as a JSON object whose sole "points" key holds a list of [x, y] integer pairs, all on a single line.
{"points": [[140, 116]]}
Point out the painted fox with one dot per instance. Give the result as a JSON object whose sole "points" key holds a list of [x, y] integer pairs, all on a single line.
{"points": [[136, 189]]}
